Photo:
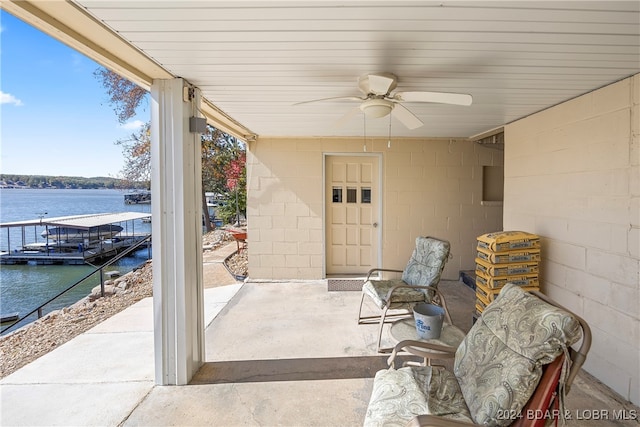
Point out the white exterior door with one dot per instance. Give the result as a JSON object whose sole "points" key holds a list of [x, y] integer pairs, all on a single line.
{"points": [[352, 201]]}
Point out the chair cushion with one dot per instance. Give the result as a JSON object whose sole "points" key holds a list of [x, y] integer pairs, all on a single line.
{"points": [[427, 262], [399, 395], [499, 363], [495, 380], [535, 329], [423, 269], [378, 290]]}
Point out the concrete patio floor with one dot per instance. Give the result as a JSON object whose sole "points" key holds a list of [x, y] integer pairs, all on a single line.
{"points": [[287, 354]]}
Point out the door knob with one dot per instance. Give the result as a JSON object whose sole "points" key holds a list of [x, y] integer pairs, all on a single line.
{"points": [[375, 225]]}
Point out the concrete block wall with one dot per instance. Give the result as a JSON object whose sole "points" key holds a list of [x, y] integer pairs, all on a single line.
{"points": [[284, 209], [434, 188], [572, 175], [429, 187]]}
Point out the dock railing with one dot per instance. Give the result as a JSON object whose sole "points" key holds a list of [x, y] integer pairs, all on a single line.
{"points": [[98, 270]]}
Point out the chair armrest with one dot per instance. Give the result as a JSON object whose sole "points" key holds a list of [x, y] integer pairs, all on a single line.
{"points": [[435, 421], [373, 270], [435, 291], [422, 349]]}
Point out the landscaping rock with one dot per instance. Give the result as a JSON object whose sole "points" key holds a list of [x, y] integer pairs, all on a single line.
{"points": [[40, 337]]}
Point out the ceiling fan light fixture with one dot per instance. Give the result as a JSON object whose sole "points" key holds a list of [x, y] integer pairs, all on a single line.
{"points": [[376, 108]]}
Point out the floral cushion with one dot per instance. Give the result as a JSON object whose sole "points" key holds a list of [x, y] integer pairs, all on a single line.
{"points": [[399, 395], [535, 329], [423, 269], [497, 366], [378, 290], [427, 262], [499, 363]]}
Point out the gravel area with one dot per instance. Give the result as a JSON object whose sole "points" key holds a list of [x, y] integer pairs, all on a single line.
{"points": [[40, 337], [238, 263]]}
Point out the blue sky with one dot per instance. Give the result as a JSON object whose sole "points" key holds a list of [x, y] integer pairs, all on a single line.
{"points": [[55, 118]]}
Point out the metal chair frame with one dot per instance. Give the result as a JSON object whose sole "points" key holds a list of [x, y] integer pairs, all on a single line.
{"points": [[384, 317], [547, 392]]}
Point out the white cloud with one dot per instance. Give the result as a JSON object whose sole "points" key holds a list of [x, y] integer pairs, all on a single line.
{"points": [[136, 124], [7, 98]]}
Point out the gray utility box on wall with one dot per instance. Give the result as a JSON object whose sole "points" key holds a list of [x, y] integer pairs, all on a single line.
{"points": [[197, 124]]}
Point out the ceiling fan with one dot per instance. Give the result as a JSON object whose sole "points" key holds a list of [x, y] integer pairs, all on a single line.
{"points": [[378, 101]]}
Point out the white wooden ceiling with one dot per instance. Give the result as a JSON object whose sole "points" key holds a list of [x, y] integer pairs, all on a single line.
{"points": [[254, 60]]}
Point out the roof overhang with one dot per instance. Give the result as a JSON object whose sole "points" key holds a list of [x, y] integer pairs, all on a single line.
{"points": [[256, 62], [75, 27]]}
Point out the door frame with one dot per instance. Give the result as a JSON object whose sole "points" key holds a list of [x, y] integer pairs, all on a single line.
{"points": [[324, 204]]}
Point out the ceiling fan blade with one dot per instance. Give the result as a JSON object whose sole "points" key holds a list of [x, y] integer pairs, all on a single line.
{"points": [[406, 117], [380, 85], [348, 116], [436, 97], [335, 98]]}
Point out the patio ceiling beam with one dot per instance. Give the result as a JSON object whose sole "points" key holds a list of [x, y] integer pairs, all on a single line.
{"points": [[486, 134], [224, 122], [72, 25]]}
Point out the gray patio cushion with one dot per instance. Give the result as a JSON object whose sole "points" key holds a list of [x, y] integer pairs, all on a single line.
{"points": [[423, 269], [399, 395], [497, 366], [499, 363], [427, 262], [378, 290]]}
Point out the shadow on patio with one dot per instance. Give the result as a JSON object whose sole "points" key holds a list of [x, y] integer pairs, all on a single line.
{"points": [[293, 354], [287, 354]]}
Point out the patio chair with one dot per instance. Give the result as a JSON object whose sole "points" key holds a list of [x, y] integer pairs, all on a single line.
{"points": [[513, 368], [418, 284]]}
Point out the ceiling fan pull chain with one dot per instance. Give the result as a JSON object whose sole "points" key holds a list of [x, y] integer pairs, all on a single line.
{"points": [[364, 121], [389, 140]]}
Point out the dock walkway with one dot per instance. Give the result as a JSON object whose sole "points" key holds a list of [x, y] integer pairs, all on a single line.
{"points": [[89, 246]]}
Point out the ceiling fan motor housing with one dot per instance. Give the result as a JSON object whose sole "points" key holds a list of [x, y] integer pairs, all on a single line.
{"points": [[378, 83]]}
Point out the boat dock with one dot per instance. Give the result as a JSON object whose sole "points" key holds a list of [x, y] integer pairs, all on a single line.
{"points": [[72, 240], [138, 198]]}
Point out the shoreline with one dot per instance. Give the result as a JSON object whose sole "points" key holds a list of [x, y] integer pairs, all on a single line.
{"points": [[26, 344]]}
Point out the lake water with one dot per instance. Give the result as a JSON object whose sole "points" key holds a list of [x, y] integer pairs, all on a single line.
{"points": [[24, 287]]}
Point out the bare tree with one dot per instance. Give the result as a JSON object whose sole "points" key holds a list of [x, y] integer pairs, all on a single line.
{"points": [[137, 152], [124, 96], [218, 148]]}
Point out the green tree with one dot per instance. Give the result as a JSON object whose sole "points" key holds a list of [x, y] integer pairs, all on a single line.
{"points": [[237, 185], [219, 152], [219, 149]]}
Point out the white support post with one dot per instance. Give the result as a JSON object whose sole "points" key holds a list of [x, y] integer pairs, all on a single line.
{"points": [[176, 182]]}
